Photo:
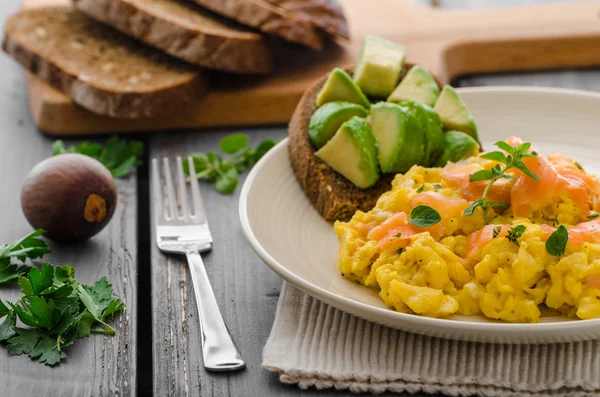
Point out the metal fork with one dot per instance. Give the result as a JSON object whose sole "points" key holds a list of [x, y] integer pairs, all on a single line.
{"points": [[187, 233]]}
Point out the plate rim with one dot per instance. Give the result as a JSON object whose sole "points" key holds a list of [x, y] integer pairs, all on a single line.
{"points": [[340, 302]]}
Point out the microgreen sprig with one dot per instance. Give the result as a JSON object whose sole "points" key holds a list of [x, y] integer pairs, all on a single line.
{"points": [[211, 167], [512, 160]]}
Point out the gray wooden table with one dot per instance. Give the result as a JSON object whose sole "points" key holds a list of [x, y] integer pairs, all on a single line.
{"points": [[157, 347]]}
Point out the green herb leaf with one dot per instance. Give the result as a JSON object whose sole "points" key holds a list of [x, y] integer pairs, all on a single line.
{"points": [[481, 175], [437, 186], [424, 216], [523, 167], [7, 328], [515, 233], [495, 156], [262, 149], [24, 342], [48, 351], [64, 274], [41, 280], [233, 143], [119, 156], [505, 146], [593, 216], [557, 242], [227, 181], [420, 189], [471, 208]]}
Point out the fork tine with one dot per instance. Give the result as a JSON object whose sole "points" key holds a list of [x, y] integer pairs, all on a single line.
{"points": [[182, 188], [172, 198], [157, 195], [199, 213]]}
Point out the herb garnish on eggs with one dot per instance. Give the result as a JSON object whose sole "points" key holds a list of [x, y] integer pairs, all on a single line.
{"points": [[514, 160]]}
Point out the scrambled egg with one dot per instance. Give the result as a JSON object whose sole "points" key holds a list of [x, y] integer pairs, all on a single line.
{"points": [[468, 264]]}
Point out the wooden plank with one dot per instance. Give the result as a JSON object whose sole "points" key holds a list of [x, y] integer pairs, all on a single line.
{"points": [[99, 365], [450, 43]]}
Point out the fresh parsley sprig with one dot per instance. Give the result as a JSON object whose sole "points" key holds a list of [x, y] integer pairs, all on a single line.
{"points": [[512, 160], [211, 167], [13, 256], [119, 156], [58, 309]]}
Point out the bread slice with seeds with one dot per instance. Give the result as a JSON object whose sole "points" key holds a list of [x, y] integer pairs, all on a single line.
{"points": [[186, 31], [99, 68]]}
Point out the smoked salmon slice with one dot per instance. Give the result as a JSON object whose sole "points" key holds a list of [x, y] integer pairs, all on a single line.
{"points": [[483, 236], [457, 176]]}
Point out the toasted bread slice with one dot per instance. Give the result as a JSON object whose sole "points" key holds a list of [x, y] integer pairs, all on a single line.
{"points": [[334, 197], [326, 15], [186, 31], [99, 68], [269, 18]]}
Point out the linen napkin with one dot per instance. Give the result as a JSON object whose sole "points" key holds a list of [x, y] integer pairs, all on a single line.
{"points": [[314, 345]]}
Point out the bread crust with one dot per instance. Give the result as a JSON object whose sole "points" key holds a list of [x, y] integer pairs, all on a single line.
{"points": [[95, 97], [236, 51], [327, 15], [332, 195], [269, 18]]}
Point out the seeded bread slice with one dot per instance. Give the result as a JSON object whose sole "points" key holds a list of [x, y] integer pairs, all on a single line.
{"points": [[99, 68], [269, 18], [326, 15], [186, 31], [334, 197]]}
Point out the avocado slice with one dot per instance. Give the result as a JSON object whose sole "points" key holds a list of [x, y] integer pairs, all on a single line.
{"points": [[340, 87], [352, 152], [418, 85], [458, 146], [400, 137], [328, 118], [454, 113], [432, 128], [379, 65]]}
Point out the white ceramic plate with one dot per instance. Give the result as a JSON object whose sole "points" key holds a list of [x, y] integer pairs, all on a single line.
{"points": [[292, 239]]}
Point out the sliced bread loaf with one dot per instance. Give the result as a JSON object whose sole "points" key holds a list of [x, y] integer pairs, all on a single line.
{"points": [[326, 15], [269, 18], [99, 68], [186, 31]]}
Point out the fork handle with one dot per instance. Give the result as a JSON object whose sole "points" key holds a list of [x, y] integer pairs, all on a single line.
{"points": [[218, 349]]}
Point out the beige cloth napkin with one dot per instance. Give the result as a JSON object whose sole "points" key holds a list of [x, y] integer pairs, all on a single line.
{"points": [[314, 345]]}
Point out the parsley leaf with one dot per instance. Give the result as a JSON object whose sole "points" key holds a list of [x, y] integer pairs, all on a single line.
{"points": [[29, 247], [424, 216], [57, 314], [593, 215], [515, 233], [225, 173], [119, 156], [557, 242], [420, 189]]}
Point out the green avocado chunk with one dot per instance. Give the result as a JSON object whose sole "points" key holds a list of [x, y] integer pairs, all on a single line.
{"points": [[340, 87], [400, 137], [418, 85], [432, 128], [328, 118], [454, 113], [458, 146], [352, 152], [379, 65]]}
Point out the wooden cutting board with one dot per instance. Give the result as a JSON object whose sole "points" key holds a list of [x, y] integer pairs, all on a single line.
{"points": [[449, 42]]}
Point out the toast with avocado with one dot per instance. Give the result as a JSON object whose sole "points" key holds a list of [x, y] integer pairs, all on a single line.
{"points": [[333, 195]]}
